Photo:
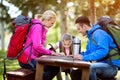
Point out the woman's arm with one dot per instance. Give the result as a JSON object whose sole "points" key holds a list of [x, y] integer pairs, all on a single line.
{"points": [[38, 46]]}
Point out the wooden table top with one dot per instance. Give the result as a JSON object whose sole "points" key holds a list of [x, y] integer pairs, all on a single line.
{"points": [[62, 61]]}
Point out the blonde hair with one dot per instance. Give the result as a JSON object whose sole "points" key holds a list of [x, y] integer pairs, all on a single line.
{"points": [[47, 15], [38, 16]]}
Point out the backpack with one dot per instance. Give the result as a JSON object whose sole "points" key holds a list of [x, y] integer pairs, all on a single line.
{"points": [[21, 28], [113, 30]]}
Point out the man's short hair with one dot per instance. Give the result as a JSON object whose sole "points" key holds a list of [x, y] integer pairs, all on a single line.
{"points": [[83, 20]]}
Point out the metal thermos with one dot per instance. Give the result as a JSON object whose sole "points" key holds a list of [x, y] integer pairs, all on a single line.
{"points": [[76, 46]]}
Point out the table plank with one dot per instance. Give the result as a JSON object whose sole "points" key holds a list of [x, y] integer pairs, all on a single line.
{"points": [[85, 74], [62, 61], [39, 71]]}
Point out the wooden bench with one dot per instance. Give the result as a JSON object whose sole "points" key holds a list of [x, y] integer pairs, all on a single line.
{"points": [[21, 74], [108, 79]]}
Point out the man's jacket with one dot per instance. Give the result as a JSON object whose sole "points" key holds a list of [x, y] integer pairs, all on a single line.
{"points": [[104, 44]]}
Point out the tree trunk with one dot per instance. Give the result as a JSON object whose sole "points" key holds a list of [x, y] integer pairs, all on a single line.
{"points": [[63, 23], [2, 36], [93, 11]]}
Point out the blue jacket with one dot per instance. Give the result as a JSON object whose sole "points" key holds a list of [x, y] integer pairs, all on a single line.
{"points": [[104, 43]]}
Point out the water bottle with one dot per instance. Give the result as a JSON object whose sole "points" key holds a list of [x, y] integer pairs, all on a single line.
{"points": [[76, 46]]}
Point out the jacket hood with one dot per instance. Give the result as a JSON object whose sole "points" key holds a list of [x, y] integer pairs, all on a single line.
{"points": [[94, 27], [36, 21]]}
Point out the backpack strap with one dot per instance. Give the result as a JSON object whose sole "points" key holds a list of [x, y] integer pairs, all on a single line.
{"points": [[94, 42], [112, 55], [29, 62], [60, 46]]}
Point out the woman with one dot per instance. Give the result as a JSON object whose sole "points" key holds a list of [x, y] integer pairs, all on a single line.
{"points": [[36, 39]]}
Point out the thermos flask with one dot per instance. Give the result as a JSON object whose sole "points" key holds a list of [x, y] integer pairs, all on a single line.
{"points": [[76, 46]]}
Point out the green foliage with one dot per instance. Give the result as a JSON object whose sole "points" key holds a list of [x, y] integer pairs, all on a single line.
{"points": [[53, 34], [79, 7], [10, 64], [2, 54]]}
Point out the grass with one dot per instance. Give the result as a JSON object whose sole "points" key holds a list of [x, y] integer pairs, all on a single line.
{"points": [[10, 64]]}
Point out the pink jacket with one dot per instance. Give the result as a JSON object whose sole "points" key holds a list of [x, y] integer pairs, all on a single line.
{"points": [[37, 35]]}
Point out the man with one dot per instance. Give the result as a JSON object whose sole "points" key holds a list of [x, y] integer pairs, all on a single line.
{"points": [[96, 51]]}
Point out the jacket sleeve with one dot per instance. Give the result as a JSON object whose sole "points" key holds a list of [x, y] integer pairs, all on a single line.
{"points": [[100, 50], [36, 36]]}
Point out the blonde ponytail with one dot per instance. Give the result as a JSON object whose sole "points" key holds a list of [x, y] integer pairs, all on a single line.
{"points": [[48, 15]]}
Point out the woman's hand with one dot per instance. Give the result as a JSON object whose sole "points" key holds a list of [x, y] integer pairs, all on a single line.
{"points": [[54, 53], [61, 54], [57, 54]]}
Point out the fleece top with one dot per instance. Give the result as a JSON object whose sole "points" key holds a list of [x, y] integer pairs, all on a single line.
{"points": [[37, 36]]}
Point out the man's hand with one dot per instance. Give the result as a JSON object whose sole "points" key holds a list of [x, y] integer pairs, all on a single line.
{"points": [[77, 57]]}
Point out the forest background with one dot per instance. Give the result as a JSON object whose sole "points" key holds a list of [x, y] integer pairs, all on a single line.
{"points": [[67, 11]]}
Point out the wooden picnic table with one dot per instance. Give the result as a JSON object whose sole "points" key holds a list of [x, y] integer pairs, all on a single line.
{"points": [[62, 61]]}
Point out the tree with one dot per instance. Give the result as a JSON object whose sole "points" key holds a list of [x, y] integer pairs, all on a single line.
{"points": [[4, 18], [91, 8], [93, 12], [63, 14]]}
